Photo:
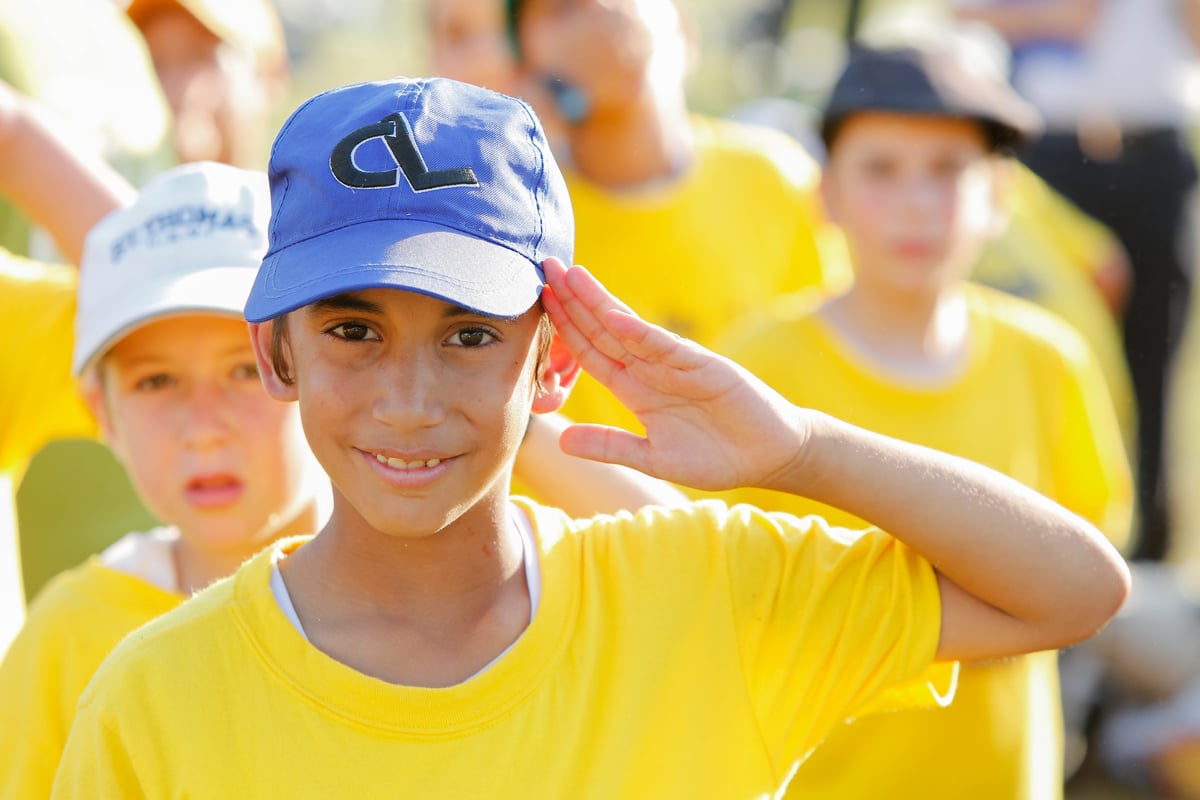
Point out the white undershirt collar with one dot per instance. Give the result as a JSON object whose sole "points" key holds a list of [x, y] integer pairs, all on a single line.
{"points": [[533, 579]]}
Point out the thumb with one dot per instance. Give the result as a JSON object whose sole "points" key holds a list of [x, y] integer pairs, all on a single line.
{"points": [[606, 444]]}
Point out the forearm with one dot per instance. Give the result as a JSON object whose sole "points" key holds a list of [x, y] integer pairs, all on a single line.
{"points": [[1000, 542], [579, 486], [59, 184]]}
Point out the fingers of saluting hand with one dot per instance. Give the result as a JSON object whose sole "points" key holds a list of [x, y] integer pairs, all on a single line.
{"points": [[599, 329], [578, 320]]}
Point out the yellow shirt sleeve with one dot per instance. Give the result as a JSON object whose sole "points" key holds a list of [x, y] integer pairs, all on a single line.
{"points": [[72, 626], [849, 617], [39, 400]]}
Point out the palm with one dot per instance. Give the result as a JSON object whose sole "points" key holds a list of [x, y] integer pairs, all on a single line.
{"points": [[709, 423]]}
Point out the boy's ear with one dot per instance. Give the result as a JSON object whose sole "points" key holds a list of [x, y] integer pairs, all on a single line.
{"points": [[261, 335], [92, 389], [557, 375]]}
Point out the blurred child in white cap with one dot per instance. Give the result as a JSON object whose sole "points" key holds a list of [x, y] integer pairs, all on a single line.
{"points": [[169, 373]]}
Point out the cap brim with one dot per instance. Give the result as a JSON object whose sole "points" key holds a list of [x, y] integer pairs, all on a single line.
{"points": [[218, 291], [411, 255]]}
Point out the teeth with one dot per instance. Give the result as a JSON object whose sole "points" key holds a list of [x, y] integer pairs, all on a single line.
{"points": [[399, 463]]}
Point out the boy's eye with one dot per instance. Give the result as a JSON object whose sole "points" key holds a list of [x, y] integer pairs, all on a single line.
{"points": [[353, 331], [153, 383], [472, 337]]}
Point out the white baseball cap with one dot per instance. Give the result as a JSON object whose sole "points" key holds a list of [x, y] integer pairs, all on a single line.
{"points": [[191, 243]]}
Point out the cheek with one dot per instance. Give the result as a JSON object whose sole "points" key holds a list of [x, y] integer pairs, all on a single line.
{"points": [[273, 428], [326, 405], [143, 441], [867, 213], [281, 456]]}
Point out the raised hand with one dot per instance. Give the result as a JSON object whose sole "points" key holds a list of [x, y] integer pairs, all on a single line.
{"points": [[709, 423]]}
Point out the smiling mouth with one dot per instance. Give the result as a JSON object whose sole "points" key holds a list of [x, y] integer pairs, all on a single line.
{"points": [[401, 464]]}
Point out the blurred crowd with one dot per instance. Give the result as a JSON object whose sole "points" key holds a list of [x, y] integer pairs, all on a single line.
{"points": [[1015, 291]]}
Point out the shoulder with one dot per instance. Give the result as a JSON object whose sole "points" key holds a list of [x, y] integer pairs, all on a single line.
{"points": [[24, 278], [1016, 322], [80, 616], [756, 151], [709, 526], [54, 615], [182, 635], [793, 316], [81, 589]]}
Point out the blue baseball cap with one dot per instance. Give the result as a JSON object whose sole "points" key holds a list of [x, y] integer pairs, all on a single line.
{"points": [[426, 185]]}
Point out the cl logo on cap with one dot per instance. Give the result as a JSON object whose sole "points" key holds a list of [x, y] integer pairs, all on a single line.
{"points": [[396, 133]]}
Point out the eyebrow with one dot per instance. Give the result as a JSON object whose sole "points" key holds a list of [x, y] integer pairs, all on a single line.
{"points": [[344, 302], [352, 301]]}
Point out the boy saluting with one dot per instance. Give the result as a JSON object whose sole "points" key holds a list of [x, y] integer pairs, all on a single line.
{"points": [[440, 639]]}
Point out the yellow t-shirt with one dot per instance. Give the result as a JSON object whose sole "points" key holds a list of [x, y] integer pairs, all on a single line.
{"points": [[685, 652], [76, 620], [38, 397], [1046, 255], [736, 230], [1031, 403]]}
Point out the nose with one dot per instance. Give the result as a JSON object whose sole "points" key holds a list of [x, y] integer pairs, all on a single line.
{"points": [[206, 417], [410, 391], [924, 195]]}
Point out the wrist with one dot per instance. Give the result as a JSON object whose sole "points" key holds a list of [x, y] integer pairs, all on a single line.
{"points": [[805, 467]]}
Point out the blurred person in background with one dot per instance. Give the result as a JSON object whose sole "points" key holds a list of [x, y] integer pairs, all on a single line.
{"points": [[197, 80], [65, 189], [469, 41], [668, 203], [1047, 251], [1108, 77], [87, 67], [917, 140], [223, 68]]}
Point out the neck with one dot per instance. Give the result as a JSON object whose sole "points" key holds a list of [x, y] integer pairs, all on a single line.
{"points": [[197, 564], [629, 148], [920, 336], [461, 567], [418, 611]]}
